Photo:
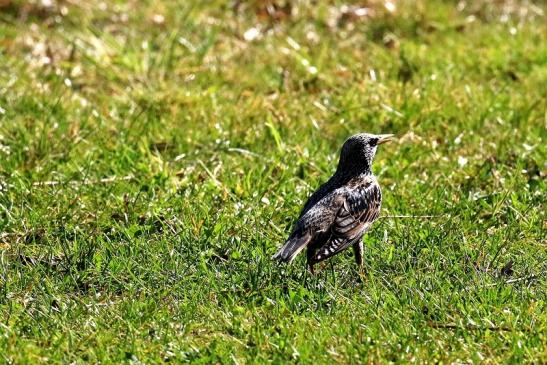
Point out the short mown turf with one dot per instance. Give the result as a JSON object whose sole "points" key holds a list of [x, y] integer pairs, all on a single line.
{"points": [[154, 154]]}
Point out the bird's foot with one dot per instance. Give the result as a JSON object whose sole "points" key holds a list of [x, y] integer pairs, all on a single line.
{"points": [[313, 271], [362, 274]]}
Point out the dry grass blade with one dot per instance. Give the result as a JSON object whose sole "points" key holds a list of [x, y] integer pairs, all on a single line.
{"points": [[106, 180]]}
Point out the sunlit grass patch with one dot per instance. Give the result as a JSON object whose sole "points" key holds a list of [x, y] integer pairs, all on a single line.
{"points": [[153, 156]]}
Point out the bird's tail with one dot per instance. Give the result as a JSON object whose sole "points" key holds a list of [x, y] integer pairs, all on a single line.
{"points": [[292, 247]]}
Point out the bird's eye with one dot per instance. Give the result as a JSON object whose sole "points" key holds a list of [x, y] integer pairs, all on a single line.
{"points": [[373, 142]]}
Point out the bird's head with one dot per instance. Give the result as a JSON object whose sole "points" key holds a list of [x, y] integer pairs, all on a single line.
{"points": [[358, 151]]}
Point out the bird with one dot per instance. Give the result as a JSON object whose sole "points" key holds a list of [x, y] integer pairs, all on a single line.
{"points": [[339, 213]]}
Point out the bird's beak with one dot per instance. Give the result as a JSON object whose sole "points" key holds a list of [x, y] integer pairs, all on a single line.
{"points": [[383, 138]]}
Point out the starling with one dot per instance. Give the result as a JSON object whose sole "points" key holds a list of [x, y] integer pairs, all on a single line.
{"points": [[342, 210]]}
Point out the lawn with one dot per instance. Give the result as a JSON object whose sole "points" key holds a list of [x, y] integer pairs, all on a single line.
{"points": [[154, 155]]}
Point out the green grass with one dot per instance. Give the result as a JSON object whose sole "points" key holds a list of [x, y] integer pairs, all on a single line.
{"points": [[150, 167]]}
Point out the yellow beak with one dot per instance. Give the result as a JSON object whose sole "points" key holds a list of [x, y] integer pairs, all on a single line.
{"points": [[384, 138]]}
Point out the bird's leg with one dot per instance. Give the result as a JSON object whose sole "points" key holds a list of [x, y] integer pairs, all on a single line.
{"points": [[358, 252], [310, 253]]}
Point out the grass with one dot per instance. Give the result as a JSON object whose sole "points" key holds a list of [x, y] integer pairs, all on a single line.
{"points": [[154, 154]]}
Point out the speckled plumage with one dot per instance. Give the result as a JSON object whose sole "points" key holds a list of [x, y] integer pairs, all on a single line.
{"points": [[341, 211]]}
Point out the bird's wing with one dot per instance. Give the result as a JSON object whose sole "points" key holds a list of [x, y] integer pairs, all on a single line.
{"points": [[313, 222], [354, 217]]}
